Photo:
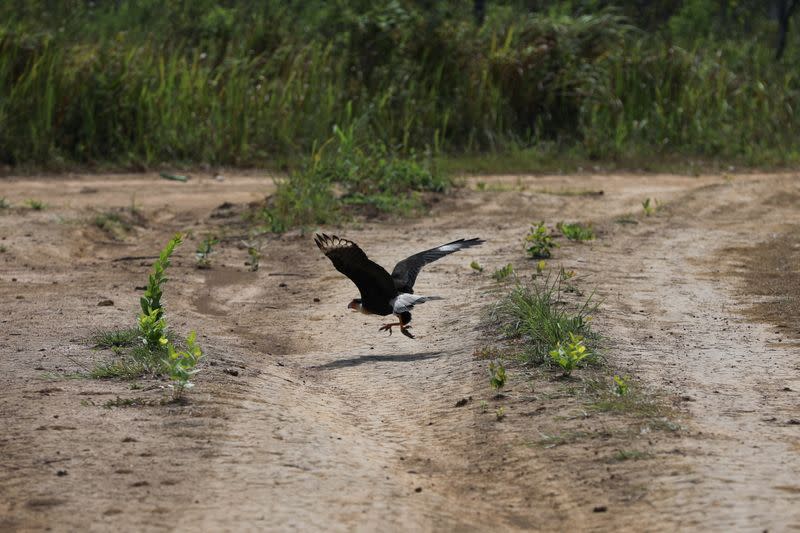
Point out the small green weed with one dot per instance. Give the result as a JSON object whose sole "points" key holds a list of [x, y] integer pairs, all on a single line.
{"points": [[576, 232], [115, 338], [497, 375], [182, 364], [570, 354], [649, 207], [152, 324], [538, 242], [254, 257], [204, 251], [630, 455], [4, 204], [501, 274], [621, 385], [124, 368], [484, 406], [486, 352], [476, 266], [35, 205], [3, 249], [500, 413], [124, 402], [113, 223], [540, 266], [627, 218]]}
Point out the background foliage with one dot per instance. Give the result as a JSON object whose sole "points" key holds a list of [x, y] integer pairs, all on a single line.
{"points": [[248, 82]]}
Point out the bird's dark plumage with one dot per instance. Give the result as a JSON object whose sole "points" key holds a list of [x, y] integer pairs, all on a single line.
{"points": [[405, 272], [381, 293], [374, 283]]}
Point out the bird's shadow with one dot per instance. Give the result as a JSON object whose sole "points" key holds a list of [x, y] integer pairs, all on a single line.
{"points": [[364, 359]]}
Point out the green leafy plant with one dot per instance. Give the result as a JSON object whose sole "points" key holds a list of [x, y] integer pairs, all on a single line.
{"points": [[497, 375], [540, 266], [570, 354], [484, 406], [649, 206], [576, 232], [152, 324], [538, 241], [4, 204], [500, 413], [254, 257], [621, 385], [503, 273], [36, 205], [181, 365], [204, 251], [476, 266]]}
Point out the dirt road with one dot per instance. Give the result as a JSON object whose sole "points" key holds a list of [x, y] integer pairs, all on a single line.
{"points": [[306, 418]]}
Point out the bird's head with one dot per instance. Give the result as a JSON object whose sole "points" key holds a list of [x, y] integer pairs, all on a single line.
{"points": [[355, 305]]}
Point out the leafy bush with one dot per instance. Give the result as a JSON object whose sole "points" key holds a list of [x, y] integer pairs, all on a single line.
{"points": [[539, 242], [342, 177]]}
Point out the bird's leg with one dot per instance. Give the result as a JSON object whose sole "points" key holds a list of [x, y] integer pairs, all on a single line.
{"points": [[388, 327], [404, 327]]}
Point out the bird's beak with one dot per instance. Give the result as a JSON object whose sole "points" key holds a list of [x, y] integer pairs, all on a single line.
{"points": [[353, 306]]}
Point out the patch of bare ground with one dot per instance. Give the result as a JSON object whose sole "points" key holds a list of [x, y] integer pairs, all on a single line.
{"points": [[306, 417]]}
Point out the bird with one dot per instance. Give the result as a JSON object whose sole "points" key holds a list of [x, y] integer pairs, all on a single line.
{"points": [[383, 293]]}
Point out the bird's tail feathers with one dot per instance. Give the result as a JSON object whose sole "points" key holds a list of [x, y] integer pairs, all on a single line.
{"points": [[406, 301]]}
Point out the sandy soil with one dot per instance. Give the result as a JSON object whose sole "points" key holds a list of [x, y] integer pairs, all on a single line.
{"points": [[306, 418]]}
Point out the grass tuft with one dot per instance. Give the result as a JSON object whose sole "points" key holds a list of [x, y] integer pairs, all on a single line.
{"points": [[535, 314]]}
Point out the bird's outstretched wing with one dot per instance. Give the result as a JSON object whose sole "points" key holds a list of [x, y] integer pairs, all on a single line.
{"points": [[373, 282], [405, 272]]}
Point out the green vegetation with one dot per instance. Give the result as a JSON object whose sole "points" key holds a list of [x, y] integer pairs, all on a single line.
{"points": [[539, 242], [154, 353], [570, 354], [503, 273], [116, 224], [497, 375], [622, 385], [182, 364], [254, 258], [36, 205], [245, 82], [115, 338], [4, 204], [649, 206], [631, 455], [535, 314], [576, 232], [342, 177], [152, 324], [204, 250], [476, 266]]}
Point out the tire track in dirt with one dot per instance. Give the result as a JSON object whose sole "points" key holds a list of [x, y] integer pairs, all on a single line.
{"points": [[677, 325]]}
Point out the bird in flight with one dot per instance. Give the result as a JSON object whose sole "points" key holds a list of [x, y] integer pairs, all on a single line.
{"points": [[381, 293]]}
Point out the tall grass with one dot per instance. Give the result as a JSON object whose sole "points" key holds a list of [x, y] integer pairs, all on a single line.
{"points": [[243, 83]]}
